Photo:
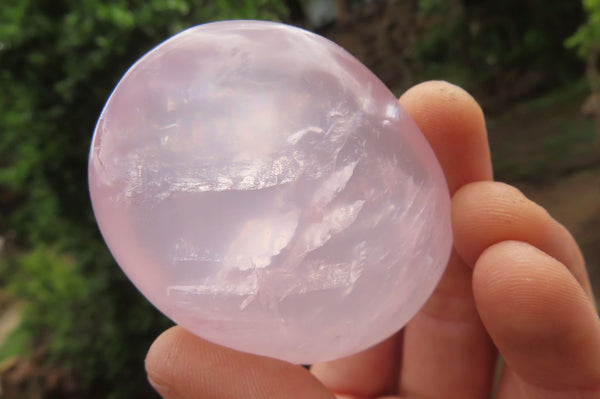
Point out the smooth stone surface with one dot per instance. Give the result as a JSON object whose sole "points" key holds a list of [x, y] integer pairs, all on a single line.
{"points": [[265, 191]]}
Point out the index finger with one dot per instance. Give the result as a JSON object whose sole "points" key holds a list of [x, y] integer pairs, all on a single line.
{"points": [[454, 126]]}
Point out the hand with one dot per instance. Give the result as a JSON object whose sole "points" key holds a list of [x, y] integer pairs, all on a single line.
{"points": [[516, 284]]}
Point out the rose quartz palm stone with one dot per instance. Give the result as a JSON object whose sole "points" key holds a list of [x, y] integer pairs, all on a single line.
{"points": [[266, 191]]}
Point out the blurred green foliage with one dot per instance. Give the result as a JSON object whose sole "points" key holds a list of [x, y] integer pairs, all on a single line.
{"points": [[59, 60], [587, 37], [528, 32], [587, 43], [506, 48]]}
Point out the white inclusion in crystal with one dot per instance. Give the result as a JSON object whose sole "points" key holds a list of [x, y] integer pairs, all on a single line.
{"points": [[325, 276], [248, 300], [335, 221], [248, 182], [296, 137], [246, 287], [223, 183], [334, 184], [392, 112], [366, 102], [169, 126], [258, 240], [185, 251]]}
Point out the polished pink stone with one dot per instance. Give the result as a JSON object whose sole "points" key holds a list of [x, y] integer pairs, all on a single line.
{"points": [[265, 191]]}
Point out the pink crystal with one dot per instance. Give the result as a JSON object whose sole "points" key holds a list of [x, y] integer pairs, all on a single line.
{"points": [[265, 190]]}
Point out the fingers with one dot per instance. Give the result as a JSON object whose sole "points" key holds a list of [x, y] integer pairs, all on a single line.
{"points": [[183, 366], [532, 292], [368, 374], [541, 319], [504, 213], [447, 353]]}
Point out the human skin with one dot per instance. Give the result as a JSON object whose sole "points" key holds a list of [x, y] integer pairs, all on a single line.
{"points": [[515, 285]]}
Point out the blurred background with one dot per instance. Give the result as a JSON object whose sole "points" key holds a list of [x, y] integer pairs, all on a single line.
{"points": [[71, 325]]}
